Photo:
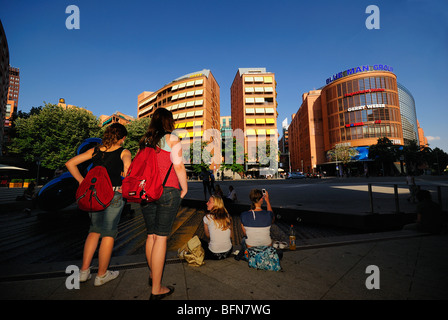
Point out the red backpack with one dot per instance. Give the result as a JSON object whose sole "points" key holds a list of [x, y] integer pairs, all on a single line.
{"points": [[95, 192], [143, 181]]}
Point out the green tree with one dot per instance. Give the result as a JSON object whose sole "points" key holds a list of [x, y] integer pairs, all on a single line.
{"points": [[136, 129], [53, 134], [239, 157], [384, 153], [341, 153]]}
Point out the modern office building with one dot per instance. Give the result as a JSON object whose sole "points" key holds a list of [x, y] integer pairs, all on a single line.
{"points": [[12, 103], [408, 114], [254, 107], [117, 117], [355, 108], [4, 81], [193, 99]]}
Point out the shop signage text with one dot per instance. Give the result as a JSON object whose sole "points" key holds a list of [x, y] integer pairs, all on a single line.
{"points": [[367, 106], [362, 91], [364, 68]]}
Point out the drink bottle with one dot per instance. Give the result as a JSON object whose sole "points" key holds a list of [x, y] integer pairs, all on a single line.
{"points": [[292, 238]]}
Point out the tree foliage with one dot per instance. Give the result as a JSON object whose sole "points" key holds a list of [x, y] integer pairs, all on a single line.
{"points": [[136, 129], [53, 134]]}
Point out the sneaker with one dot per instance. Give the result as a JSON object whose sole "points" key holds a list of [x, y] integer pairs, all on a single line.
{"points": [[84, 275], [108, 276]]}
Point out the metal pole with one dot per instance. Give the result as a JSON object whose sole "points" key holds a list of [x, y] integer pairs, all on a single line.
{"points": [[370, 197], [397, 204]]}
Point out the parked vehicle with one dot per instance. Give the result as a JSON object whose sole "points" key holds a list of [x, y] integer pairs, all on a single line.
{"points": [[295, 175]]}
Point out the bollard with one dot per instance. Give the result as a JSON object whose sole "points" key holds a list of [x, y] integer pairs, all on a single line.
{"points": [[370, 197]]}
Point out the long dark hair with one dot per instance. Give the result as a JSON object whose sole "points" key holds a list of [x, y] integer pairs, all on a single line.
{"points": [[113, 133], [162, 122], [255, 195]]}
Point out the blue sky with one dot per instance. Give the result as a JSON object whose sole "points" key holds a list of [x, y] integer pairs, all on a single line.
{"points": [[126, 47]]}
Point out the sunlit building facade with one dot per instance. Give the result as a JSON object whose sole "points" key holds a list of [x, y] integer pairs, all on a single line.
{"points": [[354, 109], [193, 99], [254, 107]]}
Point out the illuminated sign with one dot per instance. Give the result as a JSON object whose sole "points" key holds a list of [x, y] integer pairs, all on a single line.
{"points": [[367, 106], [362, 91], [376, 67], [356, 124], [359, 124]]}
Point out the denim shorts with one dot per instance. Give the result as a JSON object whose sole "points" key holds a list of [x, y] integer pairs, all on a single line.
{"points": [[106, 222], [160, 215]]}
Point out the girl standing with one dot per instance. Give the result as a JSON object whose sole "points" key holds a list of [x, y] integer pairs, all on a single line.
{"points": [[104, 224], [160, 215]]}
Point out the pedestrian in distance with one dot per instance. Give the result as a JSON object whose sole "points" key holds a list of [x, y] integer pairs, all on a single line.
{"points": [[218, 191], [159, 215], [410, 181], [104, 224], [205, 177], [231, 196], [218, 230]]}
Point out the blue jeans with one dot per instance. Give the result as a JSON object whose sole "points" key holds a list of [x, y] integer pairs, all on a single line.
{"points": [[106, 222], [160, 215]]}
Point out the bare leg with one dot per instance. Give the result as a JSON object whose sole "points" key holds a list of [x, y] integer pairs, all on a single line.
{"points": [[155, 255], [106, 247], [89, 249]]}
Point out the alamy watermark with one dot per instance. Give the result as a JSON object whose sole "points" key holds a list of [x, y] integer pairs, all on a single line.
{"points": [[73, 20], [72, 281], [373, 280], [373, 21], [207, 147]]}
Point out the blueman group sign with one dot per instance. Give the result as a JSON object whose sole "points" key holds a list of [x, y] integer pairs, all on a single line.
{"points": [[375, 67]]}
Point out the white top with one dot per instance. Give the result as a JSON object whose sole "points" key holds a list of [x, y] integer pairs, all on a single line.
{"points": [[257, 236], [232, 195], [219, 239]]}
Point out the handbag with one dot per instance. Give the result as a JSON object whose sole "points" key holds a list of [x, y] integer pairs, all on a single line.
{"points": [[263, 258], [192, 252]]}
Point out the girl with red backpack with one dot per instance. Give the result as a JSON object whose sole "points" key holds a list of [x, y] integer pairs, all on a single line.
{"points": [[104, 224], [159, 215]]}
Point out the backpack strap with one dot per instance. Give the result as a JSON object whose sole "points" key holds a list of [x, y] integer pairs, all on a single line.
{"points": [[168, 173]]}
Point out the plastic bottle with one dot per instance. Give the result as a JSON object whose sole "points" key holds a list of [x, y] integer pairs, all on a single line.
{"points": [[292, 238]]}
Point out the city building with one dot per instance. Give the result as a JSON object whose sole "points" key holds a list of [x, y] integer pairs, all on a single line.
{"points": [[408, 114], [422, 140], [355, 108], [65, 106], [226, 127], [283, 147], [193, 99], [254, 108], [4, 82], [117, 117], [12, 103], [306, 134]]}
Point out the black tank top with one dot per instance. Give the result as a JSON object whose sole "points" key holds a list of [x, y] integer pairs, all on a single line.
{"points": [[112, 162]]}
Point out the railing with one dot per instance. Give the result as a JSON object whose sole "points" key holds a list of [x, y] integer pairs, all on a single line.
{"points": [[439, 194]]}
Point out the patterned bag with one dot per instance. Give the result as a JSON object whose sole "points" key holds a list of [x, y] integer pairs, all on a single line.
{"points": [[263, 258]]}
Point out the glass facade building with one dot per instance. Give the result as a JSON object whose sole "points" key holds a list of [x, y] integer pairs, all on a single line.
{"points": [[408, 114]]}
